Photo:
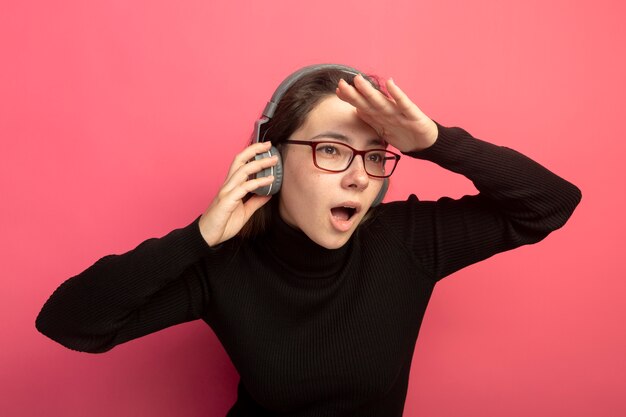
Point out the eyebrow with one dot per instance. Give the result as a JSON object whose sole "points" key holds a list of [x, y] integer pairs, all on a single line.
{"points": [[344, 138]]}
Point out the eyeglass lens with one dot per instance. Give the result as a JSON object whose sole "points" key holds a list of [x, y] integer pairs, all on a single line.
{"points": [[337, 157]]}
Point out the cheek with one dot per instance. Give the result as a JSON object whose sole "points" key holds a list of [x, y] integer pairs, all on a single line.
{"points": [[300, 186], [305, 188], [294, 190], [304, 185], [292, 178], [297, 172]]}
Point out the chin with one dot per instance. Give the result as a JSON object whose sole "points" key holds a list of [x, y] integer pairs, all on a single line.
{"points": [[332, 242]]}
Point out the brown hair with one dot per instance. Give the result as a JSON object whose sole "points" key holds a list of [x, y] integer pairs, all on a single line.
{"points": [[292, 110]]}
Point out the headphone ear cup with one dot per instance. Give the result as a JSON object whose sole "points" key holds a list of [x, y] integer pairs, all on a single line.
{"points": [[276, 171], [381, 194]]}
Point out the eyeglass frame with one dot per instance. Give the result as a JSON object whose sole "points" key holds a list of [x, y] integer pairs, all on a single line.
{"points": [[355, 152]]}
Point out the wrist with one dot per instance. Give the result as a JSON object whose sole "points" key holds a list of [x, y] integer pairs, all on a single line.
{"points": [[426, 138], [204, 229]]}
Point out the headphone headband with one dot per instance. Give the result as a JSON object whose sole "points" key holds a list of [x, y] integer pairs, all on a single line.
{"points": [[270, 107]]}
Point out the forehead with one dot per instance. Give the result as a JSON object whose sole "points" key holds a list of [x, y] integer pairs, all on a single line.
{"points": [[340, 121]]}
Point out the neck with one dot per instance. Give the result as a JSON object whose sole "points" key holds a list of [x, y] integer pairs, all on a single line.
{"points": [[293, 249]]}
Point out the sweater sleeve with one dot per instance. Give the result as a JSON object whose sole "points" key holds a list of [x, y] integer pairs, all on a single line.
{"points": [[121, 297], [519, 203]]}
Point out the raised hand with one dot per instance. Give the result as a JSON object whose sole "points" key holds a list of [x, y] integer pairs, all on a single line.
{"points": [[397, 119], [228, 212]]}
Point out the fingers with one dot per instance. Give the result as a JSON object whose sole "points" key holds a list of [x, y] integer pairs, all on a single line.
{"points": [[247, 154], [403, 102], [371, 102], [349, 94], [364, 96], [376, 99], [243, 177]]}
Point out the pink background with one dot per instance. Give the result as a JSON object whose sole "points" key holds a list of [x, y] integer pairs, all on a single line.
{"points": [[118, 120]]}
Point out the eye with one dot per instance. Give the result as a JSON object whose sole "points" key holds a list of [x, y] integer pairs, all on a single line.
{"points": [[375, 157], [328, 149]]}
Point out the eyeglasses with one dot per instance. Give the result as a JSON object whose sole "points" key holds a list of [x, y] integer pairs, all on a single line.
{"points": [[337, 157]]}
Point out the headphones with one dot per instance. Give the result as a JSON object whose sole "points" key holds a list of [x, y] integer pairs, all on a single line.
{"points": [[268, 113]]}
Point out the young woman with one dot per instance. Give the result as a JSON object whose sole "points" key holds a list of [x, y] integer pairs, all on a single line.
{"points": [[316, 295]]}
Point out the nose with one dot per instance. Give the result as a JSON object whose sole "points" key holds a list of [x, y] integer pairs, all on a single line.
{"points": [[356, 176]]}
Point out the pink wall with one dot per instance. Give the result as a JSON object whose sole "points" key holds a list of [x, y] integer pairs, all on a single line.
{"points": [[118, 120]]}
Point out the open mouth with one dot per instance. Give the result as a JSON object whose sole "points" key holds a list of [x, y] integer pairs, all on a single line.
{"points": [[343, 212]]}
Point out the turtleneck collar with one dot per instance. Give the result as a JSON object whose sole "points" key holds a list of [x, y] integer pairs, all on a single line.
{"points": [[294, 250]]}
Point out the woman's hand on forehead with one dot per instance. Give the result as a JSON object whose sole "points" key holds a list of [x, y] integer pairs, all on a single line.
{"points": [[397, 119]]}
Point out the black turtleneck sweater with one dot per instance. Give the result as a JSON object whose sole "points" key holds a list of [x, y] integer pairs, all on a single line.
{"points": [[312, 331]]}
